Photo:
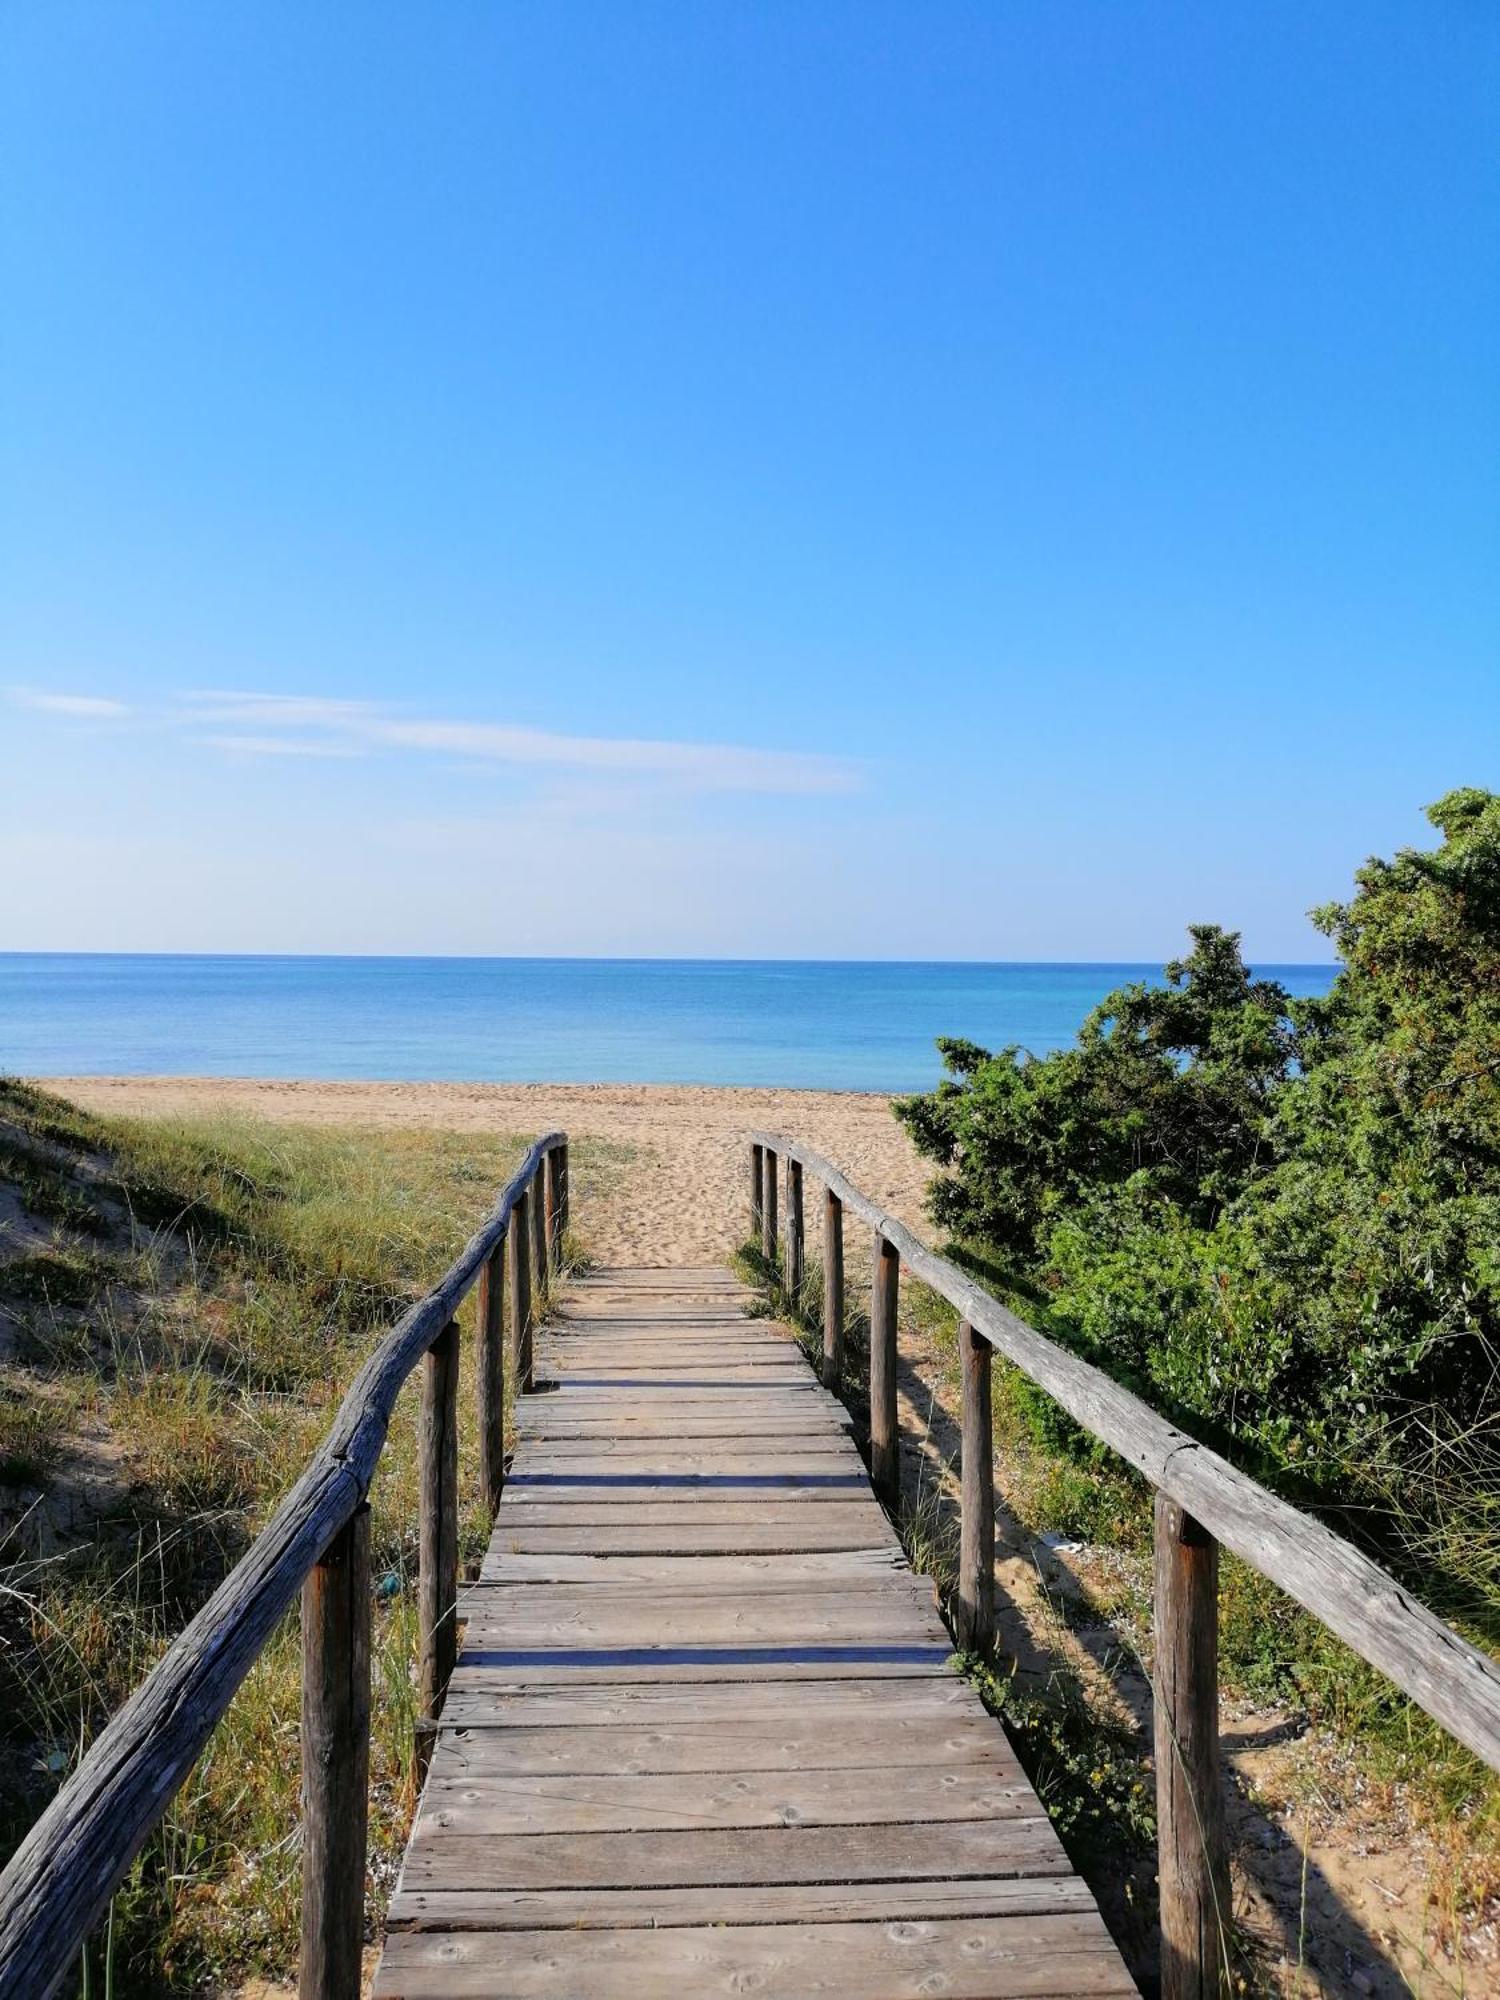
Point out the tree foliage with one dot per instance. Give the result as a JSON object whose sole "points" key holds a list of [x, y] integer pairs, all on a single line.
{"points": [[1280, 1219]]}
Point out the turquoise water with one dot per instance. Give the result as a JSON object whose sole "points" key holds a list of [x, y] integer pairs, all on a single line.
{"points": [[836, 1026]]}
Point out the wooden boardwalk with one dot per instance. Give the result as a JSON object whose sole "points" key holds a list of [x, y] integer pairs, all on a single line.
{"points": [[703, 1736]]}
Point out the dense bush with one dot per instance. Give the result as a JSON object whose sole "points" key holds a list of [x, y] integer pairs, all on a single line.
{"points": [[1281, 1219]]}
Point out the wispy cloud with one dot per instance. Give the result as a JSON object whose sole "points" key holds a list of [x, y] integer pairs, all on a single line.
{"points": [[277, 711], [82, 707], [309, 725], [280, 746]]}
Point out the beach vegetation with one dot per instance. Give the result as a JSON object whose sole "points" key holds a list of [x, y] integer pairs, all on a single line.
{"points": [[1277, 1220], [166, 1374]]}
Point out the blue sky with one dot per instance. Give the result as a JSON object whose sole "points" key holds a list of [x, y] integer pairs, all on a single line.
{"points": [[770, 479]]}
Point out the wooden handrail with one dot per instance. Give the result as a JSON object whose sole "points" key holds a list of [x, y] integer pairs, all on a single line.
{"points": [[1201, 1502], [62, 1875], [1456, 1684]]}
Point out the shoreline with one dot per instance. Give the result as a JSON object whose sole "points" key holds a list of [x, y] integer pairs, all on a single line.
{"points": [[691, 1204]]}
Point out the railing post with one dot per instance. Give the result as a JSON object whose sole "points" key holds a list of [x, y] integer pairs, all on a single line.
{"points": [[550, 1173], [795, 1254], [768, 1210], [489, 1374], [833, 1290], [437, 1542], [520, 1295], [757, 1166], [335, 1762], [975, 1603], [1192, 1849], [539, 1231], [560, 1153], [885, 1455]]}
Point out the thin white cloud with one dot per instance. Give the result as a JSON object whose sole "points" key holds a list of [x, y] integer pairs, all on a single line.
{"points": [[719, 767], [281, 746], [277, 711], [81, 707], [348, 728]]}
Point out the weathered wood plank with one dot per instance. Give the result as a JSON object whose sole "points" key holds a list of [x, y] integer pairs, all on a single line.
{"points": [[505, 1805], [969, 1958], [880, 1707], [741, 1573], [795, 1530], [769, 1903], [839, 1741], [638, 1619], [650, 1860]]}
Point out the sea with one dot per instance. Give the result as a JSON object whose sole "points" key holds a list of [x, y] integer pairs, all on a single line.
{"points": [[829, 1025]]}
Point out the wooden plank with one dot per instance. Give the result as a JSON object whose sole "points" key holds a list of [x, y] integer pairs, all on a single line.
{"points": [[769, 1903], [525, 1493], [967, 1958], [503, 1805], [880, 1707], [521, 1666], [742, 1573], [834, 1461], [837, 1742], [729, 1533], [637, 1619], [654, 1859]]}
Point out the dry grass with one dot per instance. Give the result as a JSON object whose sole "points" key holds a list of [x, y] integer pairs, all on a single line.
{"points": [[207, 1346]]}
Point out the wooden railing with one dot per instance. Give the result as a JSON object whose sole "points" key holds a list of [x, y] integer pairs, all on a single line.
{"points": [[317, 1542], [1202, 1502]]}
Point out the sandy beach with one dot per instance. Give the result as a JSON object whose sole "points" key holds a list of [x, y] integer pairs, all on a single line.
{"points": [[679, 1199]]}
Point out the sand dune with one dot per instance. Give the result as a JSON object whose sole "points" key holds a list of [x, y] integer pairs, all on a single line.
{"points": [[680, 1197]]}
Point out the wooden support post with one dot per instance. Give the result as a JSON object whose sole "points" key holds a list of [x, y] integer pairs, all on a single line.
{"points": [[539, 1234], [768, 1210], [974, 1605], [551, 1169], [885, 1452], [796, 1256], [489, 1373], [757, 1167], [437, 1531], [1193, 1854], [560, 1154], [833, 1290], [520, 1296], [335, 1763]]}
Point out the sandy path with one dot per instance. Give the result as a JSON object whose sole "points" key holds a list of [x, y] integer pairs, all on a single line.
{"points": [[680, 1198]]}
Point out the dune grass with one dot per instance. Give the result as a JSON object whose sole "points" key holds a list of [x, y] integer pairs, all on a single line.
{"points": [[231, 1277]]}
